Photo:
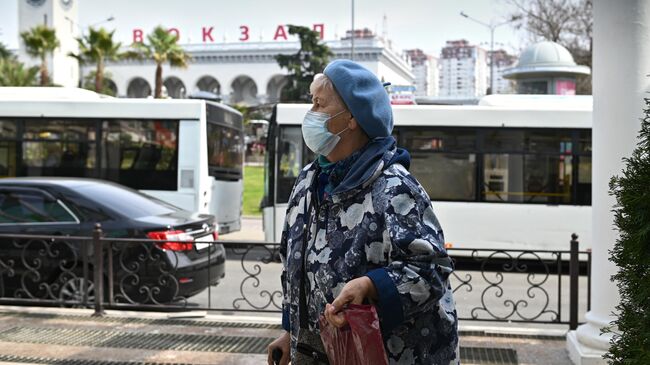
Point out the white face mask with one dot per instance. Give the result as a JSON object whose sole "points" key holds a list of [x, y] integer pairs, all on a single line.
{"points": [[315, 133]]}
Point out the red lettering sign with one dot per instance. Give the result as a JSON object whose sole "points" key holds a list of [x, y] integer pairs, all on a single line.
{"points": [[175, 31], [320, 28], [207, 34], [244, 33], [137, 35], [280, 32]]}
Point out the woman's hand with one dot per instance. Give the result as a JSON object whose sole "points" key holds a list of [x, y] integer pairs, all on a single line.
{"points": [[284, 344], [355, 291]]}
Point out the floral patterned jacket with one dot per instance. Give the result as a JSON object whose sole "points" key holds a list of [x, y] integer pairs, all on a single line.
{"points": [[378, 222]]}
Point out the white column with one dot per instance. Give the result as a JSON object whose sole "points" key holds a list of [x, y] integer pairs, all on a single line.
{"points": [[621, 63]]}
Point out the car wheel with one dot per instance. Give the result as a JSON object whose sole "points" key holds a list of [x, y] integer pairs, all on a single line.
{"points": [[72, 291]]}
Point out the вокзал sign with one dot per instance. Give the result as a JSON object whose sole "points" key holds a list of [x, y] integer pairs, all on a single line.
{"points": [[208, 33]]}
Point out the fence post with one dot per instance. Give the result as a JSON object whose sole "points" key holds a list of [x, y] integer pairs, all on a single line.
{"points": [[99, 271], [84, 270], [109, 273], [574, 276]]}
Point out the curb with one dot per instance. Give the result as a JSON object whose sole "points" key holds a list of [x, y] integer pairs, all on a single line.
{"points": [[111, 313], [514, 331]]}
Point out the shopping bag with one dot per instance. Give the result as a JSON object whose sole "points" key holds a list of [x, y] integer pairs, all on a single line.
{"points": [[357, 343]]}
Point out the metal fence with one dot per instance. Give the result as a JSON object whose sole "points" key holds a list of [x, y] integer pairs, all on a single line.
{"points": [[489, 285]]}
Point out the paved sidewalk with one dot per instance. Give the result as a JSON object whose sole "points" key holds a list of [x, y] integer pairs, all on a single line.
{"points": [[36, 335], [544, 345], [60, 336]]}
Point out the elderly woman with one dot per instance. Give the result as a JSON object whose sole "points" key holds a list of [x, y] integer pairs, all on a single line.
{"points": [[360, 228]]}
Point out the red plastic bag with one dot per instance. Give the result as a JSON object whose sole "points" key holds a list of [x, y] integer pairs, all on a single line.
{"points": [[357, 343]]}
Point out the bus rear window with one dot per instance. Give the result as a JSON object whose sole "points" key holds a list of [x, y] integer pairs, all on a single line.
{"points": [[225, 151]]}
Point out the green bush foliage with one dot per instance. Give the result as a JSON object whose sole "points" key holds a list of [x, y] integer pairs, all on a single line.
{"points": [[631, 253], [310, 60]]}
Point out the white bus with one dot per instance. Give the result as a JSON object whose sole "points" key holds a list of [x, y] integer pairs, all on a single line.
{"points": [[499, 177], [185, 152]]}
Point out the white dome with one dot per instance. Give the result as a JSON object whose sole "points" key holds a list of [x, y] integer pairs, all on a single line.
{"points": [[545, 54], [545, 59]]}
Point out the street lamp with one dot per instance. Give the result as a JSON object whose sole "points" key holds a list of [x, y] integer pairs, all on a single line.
{"points": [[81, 31], [109, 19], [352, 35], [492, 27], [72, 22]]}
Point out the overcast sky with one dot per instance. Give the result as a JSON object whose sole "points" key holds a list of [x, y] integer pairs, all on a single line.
{"points": [[424, 24]]}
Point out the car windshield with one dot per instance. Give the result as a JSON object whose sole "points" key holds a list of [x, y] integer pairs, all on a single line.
{"points": [[125, 201]]}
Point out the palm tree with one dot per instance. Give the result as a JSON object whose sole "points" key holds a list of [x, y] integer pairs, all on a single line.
{"points": [[40, 42], [90, 83], [161, 47], [98, 47], [14, 73]]}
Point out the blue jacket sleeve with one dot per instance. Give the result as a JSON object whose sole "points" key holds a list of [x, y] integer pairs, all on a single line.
{"points": [[415, 278]]}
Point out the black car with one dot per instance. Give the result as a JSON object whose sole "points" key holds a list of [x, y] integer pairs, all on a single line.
{"points": [[184, 263]]}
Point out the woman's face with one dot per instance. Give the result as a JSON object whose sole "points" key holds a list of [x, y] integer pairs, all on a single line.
{"points": [[326, 100]]}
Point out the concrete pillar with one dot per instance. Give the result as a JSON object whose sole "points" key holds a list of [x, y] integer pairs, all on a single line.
{"points": [[621, 64]]}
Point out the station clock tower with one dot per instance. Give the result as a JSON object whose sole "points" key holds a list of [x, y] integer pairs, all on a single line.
{"points": [[61, 15]]}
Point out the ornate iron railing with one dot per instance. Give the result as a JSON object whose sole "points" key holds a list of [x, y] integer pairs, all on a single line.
{"points": [[489, 285], [522, 285], [36, 269]]}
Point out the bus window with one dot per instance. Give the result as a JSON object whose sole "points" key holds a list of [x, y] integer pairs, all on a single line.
{"points": [[521, 140], [59, 148], [528, 166], [504, 140], [440, 140], [445, 175], [141, 154], [7, 159], [527, 178], [549, 141], [584, 181], [8, 131], [584, 141], [225, 151]]}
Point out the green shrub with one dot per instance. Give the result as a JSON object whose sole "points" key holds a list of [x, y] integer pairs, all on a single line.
{"points": [[631, 253]]}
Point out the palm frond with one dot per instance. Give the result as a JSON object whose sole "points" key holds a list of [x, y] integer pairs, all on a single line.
{"points": [[14, 73], [40, 41]]}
